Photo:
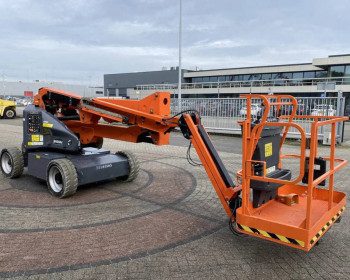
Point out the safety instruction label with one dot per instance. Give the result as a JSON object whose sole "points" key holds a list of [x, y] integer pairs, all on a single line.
{"points": [[268, 149], [35, 143], [49, 125], [270, 169], [37, 138]]}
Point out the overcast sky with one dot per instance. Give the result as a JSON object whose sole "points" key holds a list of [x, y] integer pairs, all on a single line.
{"points": [[77, 41]]}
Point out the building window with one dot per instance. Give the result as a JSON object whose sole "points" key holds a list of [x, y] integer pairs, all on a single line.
{"points": [[197, 80], [286, 75], [213, 79], [347, 70], [298, 75], [309, 75], [266, 76], [229, 78], [321, 74], [221, 78], [347, 74], [205, 79], [255, 77], [276, 76], [99, 92], [337, 71], [297, 78]]}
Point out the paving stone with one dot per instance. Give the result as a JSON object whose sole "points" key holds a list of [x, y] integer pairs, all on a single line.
{"points": [[167, 224]]}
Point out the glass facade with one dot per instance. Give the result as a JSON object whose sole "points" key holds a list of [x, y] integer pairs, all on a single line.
{"points": [[347, 71], [337, 71], [266, 76], [321, 74], [309, 75], [298, 76], [287, 75], [213, 79], [347, 74], [290, 78], [221, 78], [197, 80]]}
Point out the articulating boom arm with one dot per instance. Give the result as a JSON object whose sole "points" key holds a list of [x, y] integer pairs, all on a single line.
{"points": [[128, 120], [145, 120]]}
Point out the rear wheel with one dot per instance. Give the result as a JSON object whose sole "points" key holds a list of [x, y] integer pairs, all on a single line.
{"points": [[9, 113], [12, 163], [133, 165], [62, 179]]}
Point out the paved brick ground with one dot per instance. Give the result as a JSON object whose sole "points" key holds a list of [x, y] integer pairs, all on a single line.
{"points": [[167, 224]]}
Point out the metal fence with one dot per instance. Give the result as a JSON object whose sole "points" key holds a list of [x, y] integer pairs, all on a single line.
{"points": [[249, 83], [222, 114]]}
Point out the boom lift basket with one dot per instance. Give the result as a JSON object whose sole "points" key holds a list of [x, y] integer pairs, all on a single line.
{"points": [[282, 210]]}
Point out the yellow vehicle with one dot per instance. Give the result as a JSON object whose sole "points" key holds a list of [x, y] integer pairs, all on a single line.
{"points": [[7, 109]]}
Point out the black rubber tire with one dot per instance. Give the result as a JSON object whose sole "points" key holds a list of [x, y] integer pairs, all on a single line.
{"points": [[16, 164], [133, 165], [9, 113], [68, 177]]}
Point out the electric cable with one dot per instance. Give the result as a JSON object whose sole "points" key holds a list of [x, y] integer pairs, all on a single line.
{"points": [[233, 225], [188, 154], [189, 158], [181, 113]]}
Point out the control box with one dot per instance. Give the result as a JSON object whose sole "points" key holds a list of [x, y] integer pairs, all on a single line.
{"points": [[35, 123]]}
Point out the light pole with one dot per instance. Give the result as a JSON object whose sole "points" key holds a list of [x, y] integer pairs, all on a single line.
{"points": [[3, 83], [180, 43]]}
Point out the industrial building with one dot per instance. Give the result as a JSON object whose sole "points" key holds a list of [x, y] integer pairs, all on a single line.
{"points": [[323, 76], [124, 84], [18, 88]]}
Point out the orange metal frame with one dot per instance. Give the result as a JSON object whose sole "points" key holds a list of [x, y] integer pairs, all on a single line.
{"points": [[317, 209], [142, 117], [127, 120]]}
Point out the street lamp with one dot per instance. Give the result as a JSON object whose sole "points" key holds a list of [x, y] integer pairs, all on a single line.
{"points": [[180, 43]]}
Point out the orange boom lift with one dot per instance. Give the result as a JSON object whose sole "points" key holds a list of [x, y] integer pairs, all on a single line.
{"points": [[265, 202]]}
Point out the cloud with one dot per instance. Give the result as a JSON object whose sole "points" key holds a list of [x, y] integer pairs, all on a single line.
{"points": [[128, 28], [72, 40]]}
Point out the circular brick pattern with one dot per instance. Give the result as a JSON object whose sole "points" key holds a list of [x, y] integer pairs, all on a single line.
{"points": [[102, 223]]}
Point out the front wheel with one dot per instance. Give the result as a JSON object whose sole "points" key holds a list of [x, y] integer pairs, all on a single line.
{"points": [[62, 179], [12, 163], [10, 113]]}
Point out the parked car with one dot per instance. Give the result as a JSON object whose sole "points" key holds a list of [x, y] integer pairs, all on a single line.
{"points": [[20, 102], [323, 110], [255, 109]]}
